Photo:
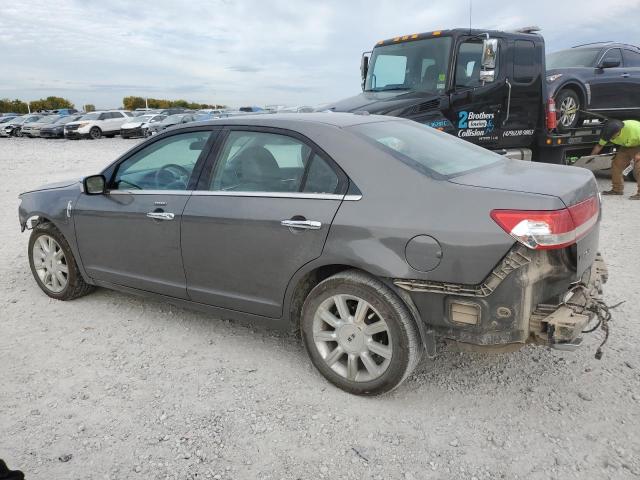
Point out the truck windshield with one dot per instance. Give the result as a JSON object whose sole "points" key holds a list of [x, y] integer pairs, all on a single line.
{"points": [[426, 149], [574, 57], [419, 65]]}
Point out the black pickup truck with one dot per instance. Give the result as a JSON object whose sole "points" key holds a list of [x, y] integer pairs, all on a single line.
{"points": [[487, 87]]}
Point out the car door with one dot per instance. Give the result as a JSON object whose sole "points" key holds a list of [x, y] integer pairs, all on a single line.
{"points": [[609, 86], [131, 235], [117, 119], [263, 212], [632, 66]]}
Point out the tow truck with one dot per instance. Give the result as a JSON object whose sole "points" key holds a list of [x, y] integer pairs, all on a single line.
{"points": [[485, 86]]}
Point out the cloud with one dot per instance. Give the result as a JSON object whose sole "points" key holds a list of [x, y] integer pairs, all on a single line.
{"points": [[249, 51]]}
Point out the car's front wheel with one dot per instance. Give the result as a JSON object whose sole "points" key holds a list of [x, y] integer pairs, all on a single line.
{"points": [[568, 108], [53, 265], [95, 133], [359, 334], [17, 132]]}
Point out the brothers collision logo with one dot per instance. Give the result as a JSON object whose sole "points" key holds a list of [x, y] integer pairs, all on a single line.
{"points": [[472, 124]]}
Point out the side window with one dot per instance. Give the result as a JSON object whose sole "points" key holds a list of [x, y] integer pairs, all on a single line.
{"points": [[164, 165], [321, 178], [270, 162], [390, 70], [468, 64], [103, 116], [525, 67], [613, 55], [631, 58], [116, 115]]}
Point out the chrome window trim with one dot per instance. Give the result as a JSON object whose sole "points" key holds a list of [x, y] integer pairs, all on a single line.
{"points": [[149, 192], [221, 193]]}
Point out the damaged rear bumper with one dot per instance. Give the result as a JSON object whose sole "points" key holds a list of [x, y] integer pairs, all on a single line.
{"points": [[530, 297], [561, 325]]}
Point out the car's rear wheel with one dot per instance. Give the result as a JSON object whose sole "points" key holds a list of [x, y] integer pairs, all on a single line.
{"points": [[95, 133], [359, 334], [568, 106], [17, 132], [53, 265]]}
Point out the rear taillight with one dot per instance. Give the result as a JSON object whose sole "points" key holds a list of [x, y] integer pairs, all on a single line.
{"points": [[548, 229], [552, 120]]}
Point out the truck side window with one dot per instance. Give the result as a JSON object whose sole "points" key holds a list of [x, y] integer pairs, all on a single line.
{"points": [[468, 65], [524, 61]]}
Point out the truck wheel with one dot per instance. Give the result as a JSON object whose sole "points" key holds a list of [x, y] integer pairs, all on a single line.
{"points": [[567, 104], [359, 334], [95, 133]]}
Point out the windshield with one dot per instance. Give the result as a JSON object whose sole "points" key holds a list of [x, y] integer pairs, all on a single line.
{"points": [[91, 116], [49, 119], [67, 119], [426, 149], [420, 65], [173, 118], [574, 57]]}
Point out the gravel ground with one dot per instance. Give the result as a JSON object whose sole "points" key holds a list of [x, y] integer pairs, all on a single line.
{"points": [[112, 386]]}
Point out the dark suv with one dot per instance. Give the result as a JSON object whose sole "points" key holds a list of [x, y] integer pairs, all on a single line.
{"points": [[601, 77]]}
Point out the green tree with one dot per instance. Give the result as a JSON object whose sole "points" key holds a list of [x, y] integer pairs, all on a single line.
{"points": [[89, 107], [131, 103], [15, 106], [50, 103]]}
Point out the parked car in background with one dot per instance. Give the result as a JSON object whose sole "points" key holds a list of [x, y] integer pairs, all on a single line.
{"points": [[170, 121], [139, 126], [32, 129], [64, 111], [94, 125], [56, 129], [6, 119], [13, 128], [292, 220], [602, 77]]}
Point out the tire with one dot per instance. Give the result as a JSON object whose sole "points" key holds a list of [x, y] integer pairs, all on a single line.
{"points": [[95, 133], [47, 234], [568, 101], [17, 132], [370, 353]]}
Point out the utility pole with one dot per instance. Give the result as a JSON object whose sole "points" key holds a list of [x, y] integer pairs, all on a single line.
{"points": [[29, 106], [146, 103]]}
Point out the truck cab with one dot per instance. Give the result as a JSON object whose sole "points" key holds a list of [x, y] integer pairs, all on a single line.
{"points": [[486, 87]]}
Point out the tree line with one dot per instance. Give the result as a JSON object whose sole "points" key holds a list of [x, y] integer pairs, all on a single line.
{"points": [[131, 103], [49, 103]]}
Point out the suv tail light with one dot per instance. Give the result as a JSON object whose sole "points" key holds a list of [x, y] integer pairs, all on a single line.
{"points": [[549, 229], [552, 120]]}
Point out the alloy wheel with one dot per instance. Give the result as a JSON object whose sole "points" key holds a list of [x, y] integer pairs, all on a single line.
{"points": [[352, 338], [568, 111], [50, 264]]}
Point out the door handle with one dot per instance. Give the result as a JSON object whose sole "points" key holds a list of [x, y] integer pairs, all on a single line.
{"points": [[302, 224], [625, 75], [161, 215]]}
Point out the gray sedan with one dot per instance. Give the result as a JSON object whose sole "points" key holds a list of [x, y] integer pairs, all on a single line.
{"points": [[370, 235]]}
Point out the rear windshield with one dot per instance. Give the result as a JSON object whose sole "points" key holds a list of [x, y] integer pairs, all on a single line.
{"points": [[426, 149]]}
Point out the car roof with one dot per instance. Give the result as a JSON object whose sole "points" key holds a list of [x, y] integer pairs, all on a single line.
{"points": [[607, 43], [338, 119]]}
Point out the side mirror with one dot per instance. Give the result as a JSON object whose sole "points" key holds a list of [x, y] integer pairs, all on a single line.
{"points": [[487, 75], [364, 67], [489, 53], [95, 185], [610, 63]]}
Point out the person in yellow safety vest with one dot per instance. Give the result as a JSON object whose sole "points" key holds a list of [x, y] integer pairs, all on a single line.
{"points": [[626, 136]]}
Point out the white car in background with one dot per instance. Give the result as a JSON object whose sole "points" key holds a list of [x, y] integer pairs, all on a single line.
{"points": [[139, 126], [97, 124]]}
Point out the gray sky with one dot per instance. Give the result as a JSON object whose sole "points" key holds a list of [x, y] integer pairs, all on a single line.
{"points": [[243, 52]]}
